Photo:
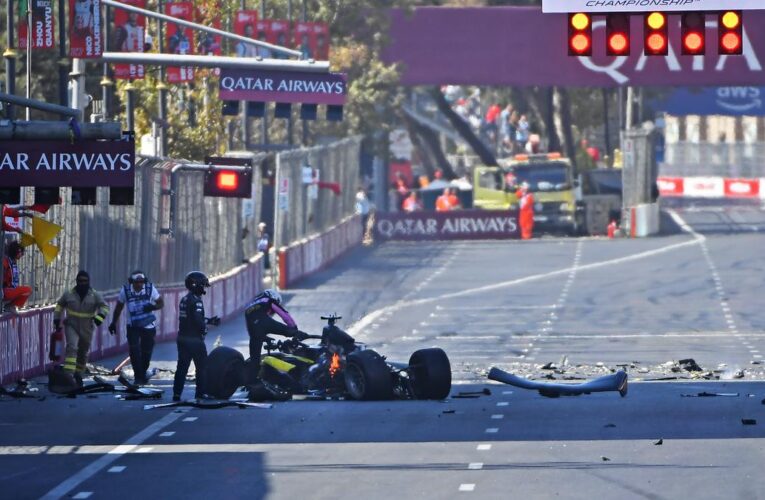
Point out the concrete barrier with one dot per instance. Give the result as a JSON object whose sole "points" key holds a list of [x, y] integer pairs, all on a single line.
{"points": [[644, 220], [307, 256], [25, 339]]}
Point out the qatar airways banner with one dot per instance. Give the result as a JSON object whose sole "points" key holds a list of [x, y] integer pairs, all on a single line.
{"points": [[61, 163], [85, 32], [454, 225], [42, 25], [283, 86], [522, 46]]}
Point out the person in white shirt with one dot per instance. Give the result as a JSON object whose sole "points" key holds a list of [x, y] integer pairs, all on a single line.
{"points": [[142, 299]]}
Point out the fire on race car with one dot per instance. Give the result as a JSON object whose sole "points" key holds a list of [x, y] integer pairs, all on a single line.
{"points": [[337, 366]]}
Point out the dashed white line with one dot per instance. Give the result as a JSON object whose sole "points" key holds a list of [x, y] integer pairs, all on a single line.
{"points": [[117, 468], [492, 430], [483, 447], [83, 494], [189, 419], [99, 464], [166, 434], [467, 487], [475, 466], [497, 416], [503, 403]]}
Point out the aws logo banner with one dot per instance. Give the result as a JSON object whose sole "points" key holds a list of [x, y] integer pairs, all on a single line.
{"points": [[456, 225], [730, 101]]}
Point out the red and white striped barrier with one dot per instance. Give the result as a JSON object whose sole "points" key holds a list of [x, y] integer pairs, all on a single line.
{"points": [[24, 339], [711, 187], [307, 256]]}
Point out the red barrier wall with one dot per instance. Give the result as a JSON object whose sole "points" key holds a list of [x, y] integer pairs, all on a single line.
{"points": [[307, 256], [24, 339]]}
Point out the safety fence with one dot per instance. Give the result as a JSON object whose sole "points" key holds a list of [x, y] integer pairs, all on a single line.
{"points": [[306, 203], [25, 339], [307, 256], [706, 159], [111, 241]]}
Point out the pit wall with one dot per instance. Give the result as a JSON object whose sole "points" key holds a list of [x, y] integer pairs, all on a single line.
{"points": [[25, 339], [309, 255]]}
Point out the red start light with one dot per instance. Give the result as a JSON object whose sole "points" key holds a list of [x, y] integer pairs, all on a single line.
{"points": [[693, 41], [618, 42], [228, 181], [580, 43], [731, 42], [657, 42]]}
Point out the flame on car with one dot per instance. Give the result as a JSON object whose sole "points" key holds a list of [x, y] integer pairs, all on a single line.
{"points": [[334, 365]]}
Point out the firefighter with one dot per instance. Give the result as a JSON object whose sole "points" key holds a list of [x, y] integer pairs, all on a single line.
{"points": [[257, 316], [526, 216], [14, 295], [142, 299], [192, 328], [85, 309]]}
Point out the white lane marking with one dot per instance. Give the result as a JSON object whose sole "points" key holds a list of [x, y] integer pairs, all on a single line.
{"points": [[475, 466], [189, 419], [166, 434], [756, 356], [497, 416], [117, 468], [467, 487], [753, 350], [145, 449], [503, 403], [492, 430], [361, 325], [507, 392], [483, 447], [94, 467], [83, 494]]}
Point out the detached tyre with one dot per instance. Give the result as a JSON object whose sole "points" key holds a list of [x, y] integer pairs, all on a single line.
{"points": [[367, 376], [224, 373], [430, 373]]}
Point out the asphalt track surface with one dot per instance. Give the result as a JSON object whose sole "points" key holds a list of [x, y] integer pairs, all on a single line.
{"points": [[694, 292]]}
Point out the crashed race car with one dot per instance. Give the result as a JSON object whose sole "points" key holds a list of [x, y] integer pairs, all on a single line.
{"points": [[337, 367]]}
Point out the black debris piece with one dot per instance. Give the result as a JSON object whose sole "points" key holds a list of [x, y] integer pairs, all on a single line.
{"points": [[711, 395], [609, 425], [605, 459], [448, 411], [690, 365], [748, 421], [549, 366], [659, 442]]}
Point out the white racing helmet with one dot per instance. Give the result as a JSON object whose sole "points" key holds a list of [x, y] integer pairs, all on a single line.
{"points": [[273, 295]]}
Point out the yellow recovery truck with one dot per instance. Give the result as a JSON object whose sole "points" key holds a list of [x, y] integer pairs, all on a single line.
{"points": [[549, 176]]}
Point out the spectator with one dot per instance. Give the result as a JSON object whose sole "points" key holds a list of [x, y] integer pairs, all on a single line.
{"points": [[522, 133], [85, 310], [443, 203], [362, 208], [142, 299], [504, 123], [401, 187], [264, 244], [533, 144], [14, 295], [412, 203]]}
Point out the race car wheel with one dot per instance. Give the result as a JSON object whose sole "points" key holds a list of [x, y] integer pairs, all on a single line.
{"points": [[224, 372], [367, 376], [431, 374]]}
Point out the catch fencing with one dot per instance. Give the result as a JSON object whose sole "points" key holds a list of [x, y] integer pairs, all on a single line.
{"points": [[310, 208], [705, 159], [111, 241]]}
